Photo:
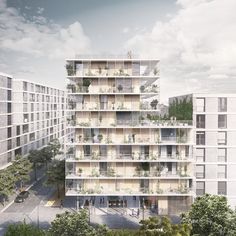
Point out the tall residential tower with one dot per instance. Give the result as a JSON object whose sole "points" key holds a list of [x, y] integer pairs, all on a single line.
{"points": [[121, 151]]}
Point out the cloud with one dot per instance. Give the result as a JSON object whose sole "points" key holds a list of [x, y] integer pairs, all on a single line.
{"points": [[125, 30], [40, 36], [200, 38], [40, 10]]}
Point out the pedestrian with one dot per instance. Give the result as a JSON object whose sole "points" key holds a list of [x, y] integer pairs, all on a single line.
{"points": [[100, 201], [138, 212], [103, 200], [61, 204]]}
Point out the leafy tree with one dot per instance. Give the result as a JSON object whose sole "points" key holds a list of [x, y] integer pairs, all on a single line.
{"points": [[56, 175], [72, 224], [35, 158], [55, 147], [181, 109], [24, 229], [122, 232], [21, 169], [157, 226], [46, 155], [7, 183], [210, 215]]}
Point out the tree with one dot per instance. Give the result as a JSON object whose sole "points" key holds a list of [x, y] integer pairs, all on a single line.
{"points": [[154, 103], [46, 155], [157, 226], [210, 215], [24, 229], [72, 224], [56, 175], [35, 158], [21, 169], [55, 147], [7, 183]]}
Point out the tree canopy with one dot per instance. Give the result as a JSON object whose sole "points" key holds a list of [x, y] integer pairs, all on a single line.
{"points": [[210, 215]]}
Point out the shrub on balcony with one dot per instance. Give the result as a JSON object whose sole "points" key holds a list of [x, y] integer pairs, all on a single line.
{"points": [[142, 88], [154, 104], [100, 137], [86, 83], [70, 70], [120, 87]]}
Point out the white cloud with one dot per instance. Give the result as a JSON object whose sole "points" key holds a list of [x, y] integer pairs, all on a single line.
{"points": [[40, 10], [125, 30], [200, 38], [39, 36]]}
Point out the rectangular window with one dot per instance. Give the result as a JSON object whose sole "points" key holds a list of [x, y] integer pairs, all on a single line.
{"points": [[200, 138], [222, 155], [222, 188], [200, 104], [18, 130], [222, 138], [222, 121], [200, 187], [8, 95], [200, 155], [9, 82], [25, 86], [9, 132], [200, 121], [222, 104], [200, 171], [221, 173]]}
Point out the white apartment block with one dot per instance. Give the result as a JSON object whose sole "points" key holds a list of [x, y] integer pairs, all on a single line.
{"points": [[7, 132], [214, 119], [121, 150], [36, 115]]}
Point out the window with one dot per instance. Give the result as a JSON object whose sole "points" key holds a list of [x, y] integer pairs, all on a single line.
{"points": [[8, 95], [200, 138], [8, 132], [18, 130], [222, 104], [221, 173], [222, 121], [200, 171], [8, 107], [200, 104], [200, 121], [222, 155], [9, 82], [222, 188], [221, 138], [200, 188], [200, 155], [25, 86]]}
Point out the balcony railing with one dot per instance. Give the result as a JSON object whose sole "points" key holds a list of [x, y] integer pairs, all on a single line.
{"points": [[129, 123], [128, 191], [130, 174], [130, 157]]}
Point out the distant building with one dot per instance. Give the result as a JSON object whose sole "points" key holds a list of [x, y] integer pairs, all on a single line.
{"points": [[31, 115], [214, 119]]}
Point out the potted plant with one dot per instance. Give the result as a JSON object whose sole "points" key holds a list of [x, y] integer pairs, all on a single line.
{"points": [[86, 84], [155, 71], [80, 171], [142, 88], [100, 137], [99, 70], [121, 71], [69, 68], [120, 87], [154, 104]]}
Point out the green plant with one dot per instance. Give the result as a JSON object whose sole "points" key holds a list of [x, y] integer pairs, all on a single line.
{"points": [[120, 87], [154, 104], [100, 137], [142, 88], [70, 70], [86, 83]]}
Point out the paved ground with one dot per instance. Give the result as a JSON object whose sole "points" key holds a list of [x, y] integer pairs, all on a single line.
{"points": [[42, 206]]}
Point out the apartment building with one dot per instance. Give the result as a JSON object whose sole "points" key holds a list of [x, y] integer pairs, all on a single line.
{"points": [[214, 117], [122, 152], [7, 132], [33, 114]]}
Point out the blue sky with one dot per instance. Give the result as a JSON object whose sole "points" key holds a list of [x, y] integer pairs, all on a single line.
{"points": [[194, 39]]}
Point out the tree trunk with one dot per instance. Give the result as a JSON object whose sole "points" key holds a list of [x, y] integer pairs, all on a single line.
{"points": [[35, 172], [58, 191]]}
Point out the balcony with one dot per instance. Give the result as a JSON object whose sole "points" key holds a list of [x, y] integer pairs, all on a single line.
{"points": [[135, 156], [121, 173]]}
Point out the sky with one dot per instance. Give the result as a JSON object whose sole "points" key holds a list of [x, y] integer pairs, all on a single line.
{"points": [[195, 40]]}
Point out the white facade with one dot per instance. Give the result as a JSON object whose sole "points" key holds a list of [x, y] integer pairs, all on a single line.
{"points": [[214, 118], [37, 116]]}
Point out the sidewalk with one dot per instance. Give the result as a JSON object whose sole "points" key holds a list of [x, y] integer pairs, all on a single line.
{"points": [[28, 185]]}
